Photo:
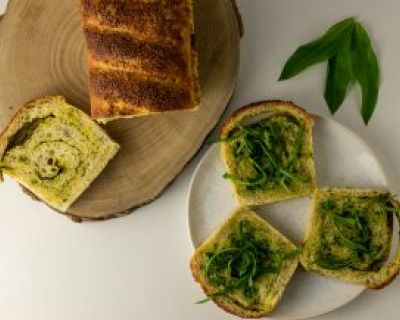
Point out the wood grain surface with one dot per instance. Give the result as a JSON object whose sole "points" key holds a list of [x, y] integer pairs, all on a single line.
{"points": [[42, 52]]}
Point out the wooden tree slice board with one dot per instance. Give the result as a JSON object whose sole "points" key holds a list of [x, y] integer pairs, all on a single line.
{"points": [[42, 52]]}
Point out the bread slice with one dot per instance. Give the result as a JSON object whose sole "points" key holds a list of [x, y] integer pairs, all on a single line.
{"points": [[54, 150], [141, 57], [349, 236], [242, 237], [283, 148]]}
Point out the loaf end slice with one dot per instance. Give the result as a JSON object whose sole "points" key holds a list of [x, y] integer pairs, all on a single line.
{"points": [[54, 150]]}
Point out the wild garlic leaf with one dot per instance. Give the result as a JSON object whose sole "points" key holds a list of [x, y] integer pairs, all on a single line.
{"points": [[318, 50], [339, 77], [351, 57], [365, 70]]}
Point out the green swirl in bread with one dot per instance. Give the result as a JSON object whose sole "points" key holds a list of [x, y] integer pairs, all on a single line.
{"points": [[54, 150]]}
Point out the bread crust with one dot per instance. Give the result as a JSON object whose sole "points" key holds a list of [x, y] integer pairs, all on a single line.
{"points": [[141, 57], [258, 107], [12, 125], [253, 110]]}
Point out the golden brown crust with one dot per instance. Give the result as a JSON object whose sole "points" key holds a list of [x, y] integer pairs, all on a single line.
{"points": [[255, 107], [125, 93], [148, 58], [385, 283], [141, 56], [157, 20]]}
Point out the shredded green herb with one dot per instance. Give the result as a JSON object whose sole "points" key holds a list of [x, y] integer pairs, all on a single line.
{"points": [[350, 222], [238, 266], [273, 148]]}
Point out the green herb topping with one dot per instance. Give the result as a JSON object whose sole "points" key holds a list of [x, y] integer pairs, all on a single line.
{"points": [[270, 151], [355, 233], [351, 58], [238, 266]]}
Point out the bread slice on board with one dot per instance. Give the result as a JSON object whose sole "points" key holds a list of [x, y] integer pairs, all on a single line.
{"points": [[54, 150], [267, 150], [141, 57], [244, 244], [349, 236]]}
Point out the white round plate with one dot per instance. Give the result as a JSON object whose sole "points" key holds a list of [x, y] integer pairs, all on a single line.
{"points": [[342, 160]]}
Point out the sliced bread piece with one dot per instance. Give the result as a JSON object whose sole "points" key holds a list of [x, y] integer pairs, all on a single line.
{"points": [[245, 265], [54, 150], [349, 236], [267, 149]]}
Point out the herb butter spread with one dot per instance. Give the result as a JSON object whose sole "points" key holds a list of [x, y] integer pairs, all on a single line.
{"points": [[268, 153], [244, 258], [349, 236], [55, 151], [355, 232]]}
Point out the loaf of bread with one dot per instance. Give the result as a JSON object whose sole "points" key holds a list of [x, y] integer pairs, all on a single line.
{"points": [[245, 265], [54, 150], [141, 57], [267, 148], [349, 236]]}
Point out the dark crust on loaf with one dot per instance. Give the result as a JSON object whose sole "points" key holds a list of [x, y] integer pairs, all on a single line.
{"points": [[149, 46], [151, 95], [157, 19], [260, 105], [121, 50]]}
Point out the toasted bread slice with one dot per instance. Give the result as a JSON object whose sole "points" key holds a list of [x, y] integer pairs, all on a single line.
{"points": [[267, 149], [244, 244], [349, 236], [54, 150]]}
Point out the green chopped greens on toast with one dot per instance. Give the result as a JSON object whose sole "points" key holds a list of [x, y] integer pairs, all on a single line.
{"points": [[245, 265], [270, 158]]}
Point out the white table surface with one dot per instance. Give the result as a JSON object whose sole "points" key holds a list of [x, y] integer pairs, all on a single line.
{"points": [[136, 267]]}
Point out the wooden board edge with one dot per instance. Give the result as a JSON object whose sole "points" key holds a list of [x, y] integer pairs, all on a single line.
{"points": [[4, 13], [238, 18]]}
